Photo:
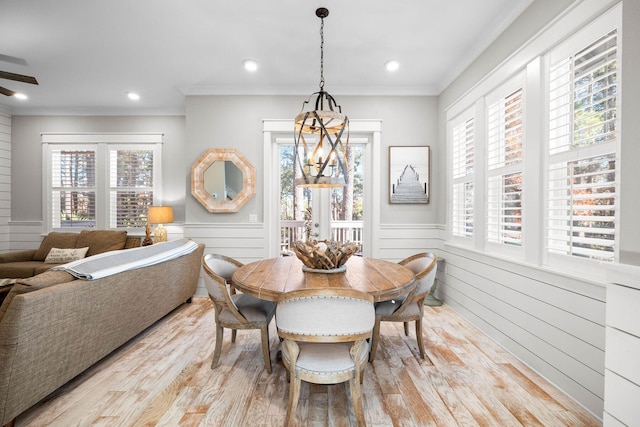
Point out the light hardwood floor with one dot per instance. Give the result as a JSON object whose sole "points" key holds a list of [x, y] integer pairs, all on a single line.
{"points": [[163, 377]]}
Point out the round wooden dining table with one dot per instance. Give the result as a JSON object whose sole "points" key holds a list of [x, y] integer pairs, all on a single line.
{"points": [[269, 278]]}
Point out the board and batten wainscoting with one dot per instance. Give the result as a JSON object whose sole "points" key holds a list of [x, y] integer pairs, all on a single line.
{"points": [[243, 242], [622, 368], [24, 235], [247, 242], [554, 323]]}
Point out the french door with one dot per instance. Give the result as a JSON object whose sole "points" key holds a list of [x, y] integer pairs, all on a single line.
{"points": [[345, 213], [322, 213]]}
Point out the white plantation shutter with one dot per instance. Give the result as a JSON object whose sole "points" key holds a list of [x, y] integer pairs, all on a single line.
{"points": [[462, 209], [463, 149], [102, 181], [463, 164], [73, 187], [581, 197], [130, 187], [505, 140]]}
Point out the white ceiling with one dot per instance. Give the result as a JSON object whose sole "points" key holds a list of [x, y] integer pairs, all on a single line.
{"points": [[86, 54]]}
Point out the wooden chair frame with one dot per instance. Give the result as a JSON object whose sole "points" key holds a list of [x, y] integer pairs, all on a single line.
{"points": [[416, 296], [240, 321], [357, 352]]}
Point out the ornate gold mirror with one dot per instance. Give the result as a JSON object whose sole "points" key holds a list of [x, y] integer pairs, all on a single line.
{"points": [[223, 180]]}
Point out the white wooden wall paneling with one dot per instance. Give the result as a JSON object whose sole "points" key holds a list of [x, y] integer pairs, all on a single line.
{"points": [[538, 340], [581, 383], [566, 331], [539, 316], [594, 293], [538, 337], [397, 242], [5, 181], [25, 235], [244, 242]]}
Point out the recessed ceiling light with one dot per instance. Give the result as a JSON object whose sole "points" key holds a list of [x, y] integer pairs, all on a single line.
{"points": [[392, 65], [250, 65], [20, 96], [133, 96]]}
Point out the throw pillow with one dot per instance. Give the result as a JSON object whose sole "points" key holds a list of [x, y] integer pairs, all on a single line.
{"points": [[100, 241], [59, 256], [55, 239]]}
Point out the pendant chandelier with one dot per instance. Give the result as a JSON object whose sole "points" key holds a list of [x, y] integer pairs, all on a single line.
{"points": [[321, 135]]}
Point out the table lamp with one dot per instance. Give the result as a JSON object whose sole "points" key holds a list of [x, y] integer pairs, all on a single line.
{"points": [[160, 215]]}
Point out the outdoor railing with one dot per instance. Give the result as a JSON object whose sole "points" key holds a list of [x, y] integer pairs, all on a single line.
{"points": [[341, 231], [290, 231]]}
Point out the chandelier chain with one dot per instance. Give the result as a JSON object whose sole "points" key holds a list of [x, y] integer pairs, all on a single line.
{"points": [[322, 54]]}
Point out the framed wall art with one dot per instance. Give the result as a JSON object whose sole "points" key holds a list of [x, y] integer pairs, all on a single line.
{"points": [[409, 174]]}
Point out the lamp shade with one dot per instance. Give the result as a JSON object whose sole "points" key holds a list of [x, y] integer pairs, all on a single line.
{"points": [[160, 214]]}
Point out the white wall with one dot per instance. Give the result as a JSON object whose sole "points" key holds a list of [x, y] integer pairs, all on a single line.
{"points": [[236, 121]]}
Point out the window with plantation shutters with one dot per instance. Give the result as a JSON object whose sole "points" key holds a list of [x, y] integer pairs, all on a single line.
{"points": [[130, 187], [583, 110], [505, 140], [102, 181], [463, 162], [73, 188]]}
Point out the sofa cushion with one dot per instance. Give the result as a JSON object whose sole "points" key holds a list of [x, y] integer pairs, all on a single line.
{"points": [[58, 255], [55, 239], [30, 284], [100, 241], [20, 269]]}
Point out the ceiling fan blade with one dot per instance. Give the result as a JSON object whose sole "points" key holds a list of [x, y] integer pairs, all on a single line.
{"points": [[6, 91], [18, 77], [12, 59]]}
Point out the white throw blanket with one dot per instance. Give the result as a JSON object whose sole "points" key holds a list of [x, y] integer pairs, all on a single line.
{"points": [[108, 263]]}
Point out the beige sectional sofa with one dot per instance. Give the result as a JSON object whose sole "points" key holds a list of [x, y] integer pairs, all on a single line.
{"points": [[30, 262], [54, 326]]}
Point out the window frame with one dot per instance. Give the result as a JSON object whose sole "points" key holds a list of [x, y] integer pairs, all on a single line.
{"points": [[102, 143], [607, 22], [462, 120], [499, 95], [587, 23]]}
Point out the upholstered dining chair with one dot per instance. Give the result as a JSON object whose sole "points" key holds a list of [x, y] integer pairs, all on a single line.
{"points": [[235, 310], [410, 308], [325, 334]]}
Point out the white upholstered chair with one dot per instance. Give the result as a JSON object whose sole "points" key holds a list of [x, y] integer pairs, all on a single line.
{"points": [[235, 311], [325, 334], [410, 308]]}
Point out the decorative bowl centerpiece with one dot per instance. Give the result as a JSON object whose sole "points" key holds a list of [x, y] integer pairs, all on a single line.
{"points": [[324, 256]]}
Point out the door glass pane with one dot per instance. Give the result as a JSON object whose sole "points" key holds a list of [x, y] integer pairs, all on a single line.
{"points": [[347, 203], [297, 204]]}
